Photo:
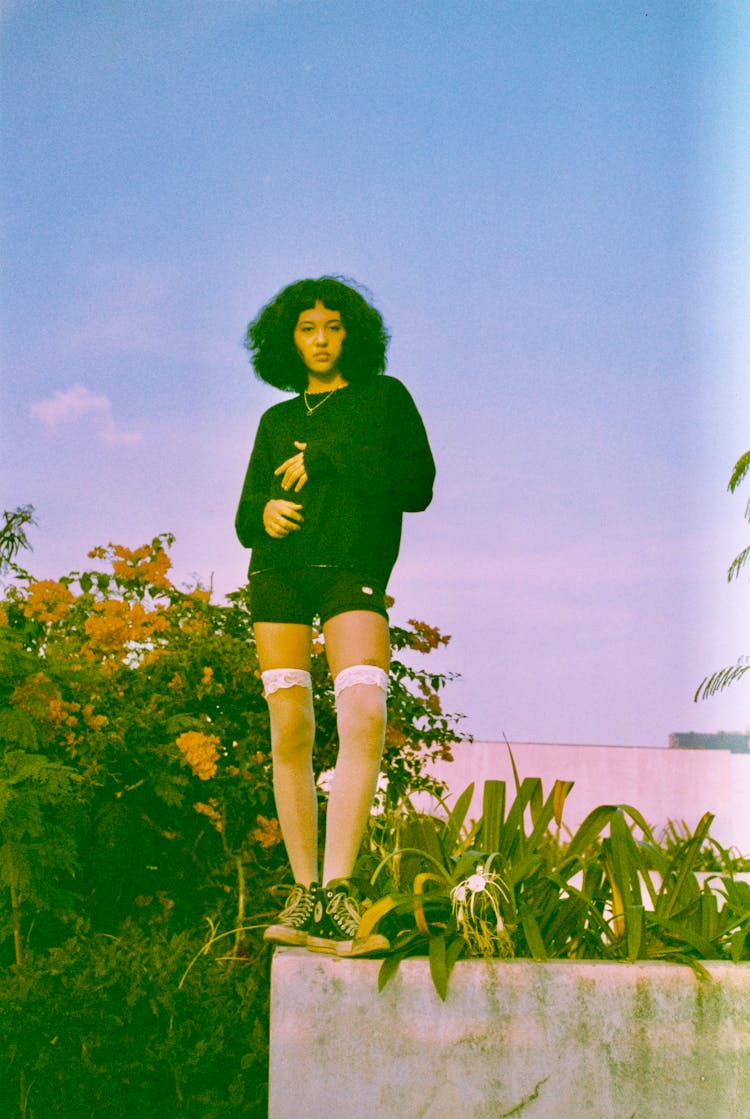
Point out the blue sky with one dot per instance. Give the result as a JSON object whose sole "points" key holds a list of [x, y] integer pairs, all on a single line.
{"points": [[548, 201]]}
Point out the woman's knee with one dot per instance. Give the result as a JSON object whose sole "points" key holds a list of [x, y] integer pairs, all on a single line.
{"points": [[289, 697], [361, 699]]}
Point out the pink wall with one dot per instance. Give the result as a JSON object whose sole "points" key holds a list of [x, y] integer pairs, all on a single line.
{"points": [[662, 784]]}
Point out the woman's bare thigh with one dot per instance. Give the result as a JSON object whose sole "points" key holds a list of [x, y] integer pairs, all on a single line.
{"points": [[357, 637], [283, 645]]}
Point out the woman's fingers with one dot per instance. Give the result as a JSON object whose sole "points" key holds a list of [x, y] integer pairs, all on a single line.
{"points": [[294, 473], [281, 517]]}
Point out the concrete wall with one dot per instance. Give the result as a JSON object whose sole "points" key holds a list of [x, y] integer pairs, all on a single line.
{"points": [[662, 784], [559, 1040]]}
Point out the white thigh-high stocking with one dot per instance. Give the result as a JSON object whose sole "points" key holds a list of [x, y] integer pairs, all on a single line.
{"points": [[361, 712], [289, 695]]}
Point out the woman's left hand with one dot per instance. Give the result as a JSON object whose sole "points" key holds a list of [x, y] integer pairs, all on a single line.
{"points": [[293, 470]]}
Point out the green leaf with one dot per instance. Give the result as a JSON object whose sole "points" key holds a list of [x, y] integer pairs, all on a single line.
{"points": [[513, 834], [388, 969], [634, 928], [625, 862], [493, 813], [456, 820], [590, 829], [439, 966], [737, 945], [683, 865], [741, 467], [533, 935], [680, 932], [552, 808]]}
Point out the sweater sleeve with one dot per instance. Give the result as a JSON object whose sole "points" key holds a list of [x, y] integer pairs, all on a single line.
{"points": [[255, 490], [398, 471]]}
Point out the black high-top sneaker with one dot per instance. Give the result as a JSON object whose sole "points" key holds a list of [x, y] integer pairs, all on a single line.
{"points": [[295, 920], [335, 928]]}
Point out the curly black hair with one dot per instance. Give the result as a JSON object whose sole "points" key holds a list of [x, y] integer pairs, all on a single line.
{"points": [[270, 337]]}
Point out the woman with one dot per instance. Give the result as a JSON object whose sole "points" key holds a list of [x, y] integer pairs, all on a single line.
{"points": [[331, 472]]}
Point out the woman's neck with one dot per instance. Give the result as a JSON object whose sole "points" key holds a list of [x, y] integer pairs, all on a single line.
{"points": [[325, 383]]}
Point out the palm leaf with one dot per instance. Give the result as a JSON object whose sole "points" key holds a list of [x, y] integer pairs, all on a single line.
{"points": [[737, 563], [741, 467], [721, 679]]}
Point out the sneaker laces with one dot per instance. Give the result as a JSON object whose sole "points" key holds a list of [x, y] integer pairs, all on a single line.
{"points": [[344, 912], [298, 907]]}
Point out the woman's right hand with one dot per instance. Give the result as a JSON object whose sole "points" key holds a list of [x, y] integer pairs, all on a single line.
{"points": [[281, 517]]}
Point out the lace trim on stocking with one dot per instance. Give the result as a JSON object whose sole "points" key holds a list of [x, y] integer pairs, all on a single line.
{"points": [[276, 678], [361, 674]]}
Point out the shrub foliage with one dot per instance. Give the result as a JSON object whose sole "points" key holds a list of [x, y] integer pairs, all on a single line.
{"points": [[140, 854]]}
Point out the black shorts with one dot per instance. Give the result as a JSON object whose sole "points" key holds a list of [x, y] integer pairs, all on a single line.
{"points": [[297, 595]]}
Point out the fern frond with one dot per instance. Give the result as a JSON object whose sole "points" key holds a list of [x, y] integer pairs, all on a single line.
{"points": [[741, 468], [736, 565], [722, 679]]}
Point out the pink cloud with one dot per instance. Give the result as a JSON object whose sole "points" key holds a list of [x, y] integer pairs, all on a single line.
{"points": [[71, 405]]}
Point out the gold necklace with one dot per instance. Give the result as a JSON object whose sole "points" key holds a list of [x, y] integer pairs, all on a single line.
{"points": [[314, 407]]}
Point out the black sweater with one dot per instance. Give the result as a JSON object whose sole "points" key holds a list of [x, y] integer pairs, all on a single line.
{"points": [[367, 461]]}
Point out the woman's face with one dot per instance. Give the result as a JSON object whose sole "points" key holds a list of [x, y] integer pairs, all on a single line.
{"points": [[319, 336]]}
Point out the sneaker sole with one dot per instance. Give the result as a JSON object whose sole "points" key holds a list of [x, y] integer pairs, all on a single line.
{"points": [[373, 945], [291, 938]]}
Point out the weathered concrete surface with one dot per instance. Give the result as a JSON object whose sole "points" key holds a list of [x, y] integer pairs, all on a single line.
{"points": [[560, 1040]]}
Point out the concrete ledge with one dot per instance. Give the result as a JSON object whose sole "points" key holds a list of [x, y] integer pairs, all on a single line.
{"points": [[562, 1040]]}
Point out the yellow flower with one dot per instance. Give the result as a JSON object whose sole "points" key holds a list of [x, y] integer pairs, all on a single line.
{"points": [[207, 677], [200, 751]]}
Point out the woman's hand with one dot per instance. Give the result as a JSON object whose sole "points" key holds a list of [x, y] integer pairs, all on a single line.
{"points": [[281, 517], [294, 470]]}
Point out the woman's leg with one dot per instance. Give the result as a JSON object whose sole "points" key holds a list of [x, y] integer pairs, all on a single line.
{"points": [[287, 646], [357, 637]]}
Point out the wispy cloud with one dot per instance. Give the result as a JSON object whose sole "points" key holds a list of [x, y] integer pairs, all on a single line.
{"points": [[72, 405], [126, 307]]}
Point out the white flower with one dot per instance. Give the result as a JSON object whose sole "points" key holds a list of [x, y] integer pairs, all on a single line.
{"points": [[325, 781]]}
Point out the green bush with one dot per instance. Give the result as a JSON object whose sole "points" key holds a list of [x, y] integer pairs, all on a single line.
{"points": [[140, 854]]}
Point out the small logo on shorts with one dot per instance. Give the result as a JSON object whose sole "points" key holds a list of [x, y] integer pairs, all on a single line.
{"points": [[367, 590]]}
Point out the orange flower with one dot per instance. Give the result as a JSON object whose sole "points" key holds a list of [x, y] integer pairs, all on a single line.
{"points": [[425, 637], [200, 751], [212, 812], [147, 564], [115, 626], [267, 833], [48, 600], [92, 721]]}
